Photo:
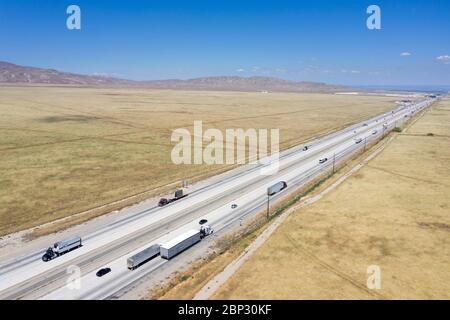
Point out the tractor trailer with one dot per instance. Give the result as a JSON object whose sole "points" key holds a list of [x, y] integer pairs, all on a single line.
{"points": [[61, 247], [171, 248], [277, 187], [179, 244], [179, 194], [142, 257]]}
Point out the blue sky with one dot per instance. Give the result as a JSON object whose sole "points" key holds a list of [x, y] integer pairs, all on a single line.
{"points": [[300, 40]]}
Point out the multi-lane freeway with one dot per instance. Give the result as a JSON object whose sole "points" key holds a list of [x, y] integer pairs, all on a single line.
{"points": [[28, 277]]}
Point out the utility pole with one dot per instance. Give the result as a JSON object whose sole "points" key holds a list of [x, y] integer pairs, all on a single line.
{"points": [[334, 160], [268, 206]]}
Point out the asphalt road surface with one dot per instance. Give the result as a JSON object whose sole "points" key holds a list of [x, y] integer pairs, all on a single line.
{"points": [[28, 277]]}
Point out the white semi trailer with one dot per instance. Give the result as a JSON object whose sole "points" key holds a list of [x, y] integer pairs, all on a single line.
{"points": [[182, 242], [277, 187], [142, 257], [61, 247]]}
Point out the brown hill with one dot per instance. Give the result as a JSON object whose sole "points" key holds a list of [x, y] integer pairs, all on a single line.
{"points": [[245, 84], [15, 74], [12, 73]]}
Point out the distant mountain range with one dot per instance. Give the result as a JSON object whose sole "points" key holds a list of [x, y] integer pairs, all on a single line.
{"points": [[15, 74], [12, 73], [234, 83]]}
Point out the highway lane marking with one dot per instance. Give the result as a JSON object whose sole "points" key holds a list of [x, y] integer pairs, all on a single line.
{"points": [[321, 138], [214, 284], [288, 166]]}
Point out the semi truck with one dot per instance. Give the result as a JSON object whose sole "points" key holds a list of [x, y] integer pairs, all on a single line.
{"points": [[61, 247], [205, 231], [175, 246], [277, 187], [179, 194], [142, 257]]}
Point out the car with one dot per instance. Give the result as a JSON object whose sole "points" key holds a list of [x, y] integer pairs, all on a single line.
{"points": [[162, 202], [234, 206], [365, 125], [359, 140], [103, 271], [203, 221], [305, 148], [374, 132], [323, 160]]}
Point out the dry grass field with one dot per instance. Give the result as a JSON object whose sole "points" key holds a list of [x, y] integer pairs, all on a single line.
{"points": [[394, 213], [65, 149]]}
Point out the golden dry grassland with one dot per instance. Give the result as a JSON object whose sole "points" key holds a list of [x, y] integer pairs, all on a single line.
{"points": [[394, 213], [64, 150]]}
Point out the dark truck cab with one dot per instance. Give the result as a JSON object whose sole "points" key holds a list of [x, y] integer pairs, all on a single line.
{"points": [[61, 247], [177, 196]]}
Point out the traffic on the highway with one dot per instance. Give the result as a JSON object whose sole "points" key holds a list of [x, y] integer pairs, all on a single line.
{"points": [[120, 253]]}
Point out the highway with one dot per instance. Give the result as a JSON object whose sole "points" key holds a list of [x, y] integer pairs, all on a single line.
{"points": [[28, 277]]}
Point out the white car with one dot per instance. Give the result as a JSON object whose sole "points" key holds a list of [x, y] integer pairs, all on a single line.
{"points": [[323, 160]]}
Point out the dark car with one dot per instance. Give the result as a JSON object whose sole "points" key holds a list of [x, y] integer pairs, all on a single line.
{"points": [[305, 148], [102, 272], [162, 202], [203, 221], [234, 206]]}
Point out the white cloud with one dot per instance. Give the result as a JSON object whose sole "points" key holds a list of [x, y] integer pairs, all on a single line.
{"points": [[105, 74], [350, 71], [240, 70], [280, 70], [405, 54], [445, 59]]}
